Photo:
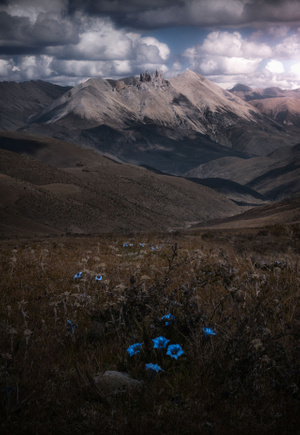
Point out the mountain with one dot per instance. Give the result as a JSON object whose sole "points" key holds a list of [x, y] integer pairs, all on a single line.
{"points": [[171, 125], [275, 176], [241, 195], [285, 110], [20, 100], [279, 104], [280, 213], [48, 186], [249, 94]]}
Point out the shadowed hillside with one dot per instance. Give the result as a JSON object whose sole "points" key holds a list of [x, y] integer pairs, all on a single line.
{"points": [[49, 187], [19, 101]]}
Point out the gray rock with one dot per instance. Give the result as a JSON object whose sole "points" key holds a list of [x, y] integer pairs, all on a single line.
{"points": [[115, 383]]}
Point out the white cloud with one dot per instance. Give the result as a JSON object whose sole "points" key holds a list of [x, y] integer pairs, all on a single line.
{"points": [[289, 48], [99, 40], [233, 45], [295, 69], [102, 50], [6, 67], [222, 44], [275, 66], [163, 49], [228, 58], [227, 53], [31, 9], [35, 67]]}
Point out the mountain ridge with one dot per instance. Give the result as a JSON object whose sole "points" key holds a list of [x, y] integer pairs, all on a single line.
{"points": [[167, 124]]}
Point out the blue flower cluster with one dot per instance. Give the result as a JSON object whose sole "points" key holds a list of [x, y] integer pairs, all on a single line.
{"points": [[79, 275], [173, 350]]}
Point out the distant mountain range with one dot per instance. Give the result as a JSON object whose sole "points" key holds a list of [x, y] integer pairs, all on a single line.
{"points": [[226, 148], [281, 105], [171, 125]]}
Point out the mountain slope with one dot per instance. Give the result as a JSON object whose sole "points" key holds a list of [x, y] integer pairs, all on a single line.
{"points": [[172, 125], [279, 213], [275, 176], [283, 109], [19, 101], [283, 105], [84, 192]]}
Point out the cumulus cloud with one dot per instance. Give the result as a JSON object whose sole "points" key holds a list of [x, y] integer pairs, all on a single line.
{"points": [[5, 67], [67, 41], [227, 53], [275, 66], [102, 50], [228, 58], [289, 47]]}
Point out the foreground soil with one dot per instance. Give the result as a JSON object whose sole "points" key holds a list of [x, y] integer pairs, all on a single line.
{"points": [[72, 306]]}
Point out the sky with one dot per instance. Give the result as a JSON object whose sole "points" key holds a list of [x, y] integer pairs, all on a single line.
{"points": [[253, 42]]}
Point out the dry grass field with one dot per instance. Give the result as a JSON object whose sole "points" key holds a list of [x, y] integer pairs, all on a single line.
{"points": [[61, 336]]}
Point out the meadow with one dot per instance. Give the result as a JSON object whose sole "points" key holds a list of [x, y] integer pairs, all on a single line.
{"points": [[72, 309]]}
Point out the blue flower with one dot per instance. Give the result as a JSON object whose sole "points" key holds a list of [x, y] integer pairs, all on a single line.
{"points": [[169, 318], [154, 367], [153, 248], [78, 275], [98, 278], [160, 342], [208, 331], [134, 348], [71, 327], [131, 244], [125, 245], [174, 350], [142, 245]]}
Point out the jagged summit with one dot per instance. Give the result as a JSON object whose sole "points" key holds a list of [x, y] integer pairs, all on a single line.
{"points": [[155, 79], [158, 76]]}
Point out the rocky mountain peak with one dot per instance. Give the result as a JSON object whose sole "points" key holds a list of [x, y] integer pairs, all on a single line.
{"points": [[156, 79]]}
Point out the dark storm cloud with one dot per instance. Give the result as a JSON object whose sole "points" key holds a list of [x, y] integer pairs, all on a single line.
{"points": [[272, 11], [121, 6], [19, 35], [167, 13]]}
